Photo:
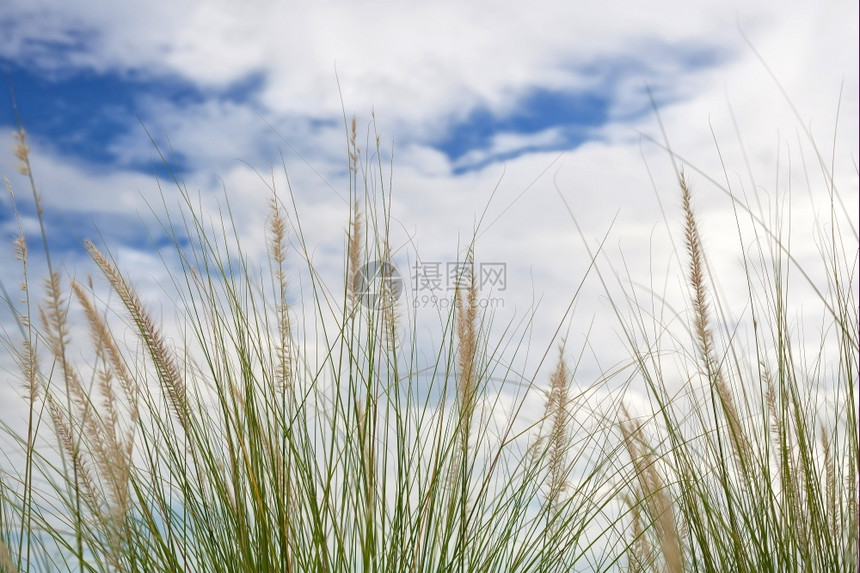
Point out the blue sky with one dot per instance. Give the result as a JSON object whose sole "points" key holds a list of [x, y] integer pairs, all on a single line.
{"points": [[519, 102], [81, 112]]}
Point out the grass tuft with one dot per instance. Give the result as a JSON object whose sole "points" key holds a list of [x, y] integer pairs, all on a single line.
{"points": [[290, 426]]}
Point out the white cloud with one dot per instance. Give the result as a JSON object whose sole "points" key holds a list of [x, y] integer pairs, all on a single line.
{"points": [[415, 62]]}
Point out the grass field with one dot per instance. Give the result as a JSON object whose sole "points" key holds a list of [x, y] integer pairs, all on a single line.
{"points": [[272, 440]]}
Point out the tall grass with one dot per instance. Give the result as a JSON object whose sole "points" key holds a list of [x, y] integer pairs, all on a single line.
{"points": [[753, 463], [269, 440]]}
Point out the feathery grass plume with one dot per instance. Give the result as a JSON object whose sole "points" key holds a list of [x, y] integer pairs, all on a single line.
{"points": [[20, 245], [168, 373], [466, 297], [696, 279], [22, 151], [390, 308], [354, 253], [278, 254], [84, 482], [27, 360], [112, 446], [701, 325], [558, 440], [652, 492], [104, 341], [353, 150], [21, 255], [355, 233], [54, 319]]}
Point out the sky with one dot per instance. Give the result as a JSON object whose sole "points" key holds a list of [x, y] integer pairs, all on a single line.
{"points": [[495, 115]]}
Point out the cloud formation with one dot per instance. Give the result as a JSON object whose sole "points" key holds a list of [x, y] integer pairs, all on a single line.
{"points": [[469, 99]]}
